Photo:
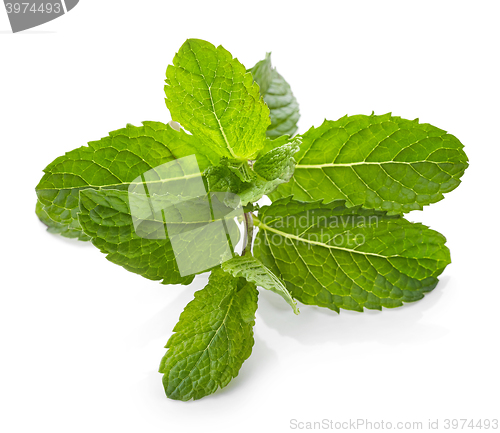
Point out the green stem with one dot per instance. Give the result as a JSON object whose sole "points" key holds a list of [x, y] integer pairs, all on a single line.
{"points": [[247, 244]]}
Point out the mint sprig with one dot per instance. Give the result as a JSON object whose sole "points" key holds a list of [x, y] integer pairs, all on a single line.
{"points": [[334, 235]]}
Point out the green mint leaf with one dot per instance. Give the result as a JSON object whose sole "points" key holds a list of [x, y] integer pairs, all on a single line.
{"points": [[221, 178], [242, 170], [211, 94], [254, 271], [380, 162], [259, 188], [212, 339], [263, 73], [72, 230], [279, 98], [270, 170], [278, 162], [146, 248], [351, 258], [112, 162], [273, 143]]}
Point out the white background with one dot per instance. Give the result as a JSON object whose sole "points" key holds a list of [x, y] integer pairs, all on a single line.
{"points": [[81, 338]]}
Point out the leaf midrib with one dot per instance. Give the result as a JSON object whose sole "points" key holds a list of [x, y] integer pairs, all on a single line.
{"points": [[226, 141], [350, 164], [190, 176], [264, 226]]}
